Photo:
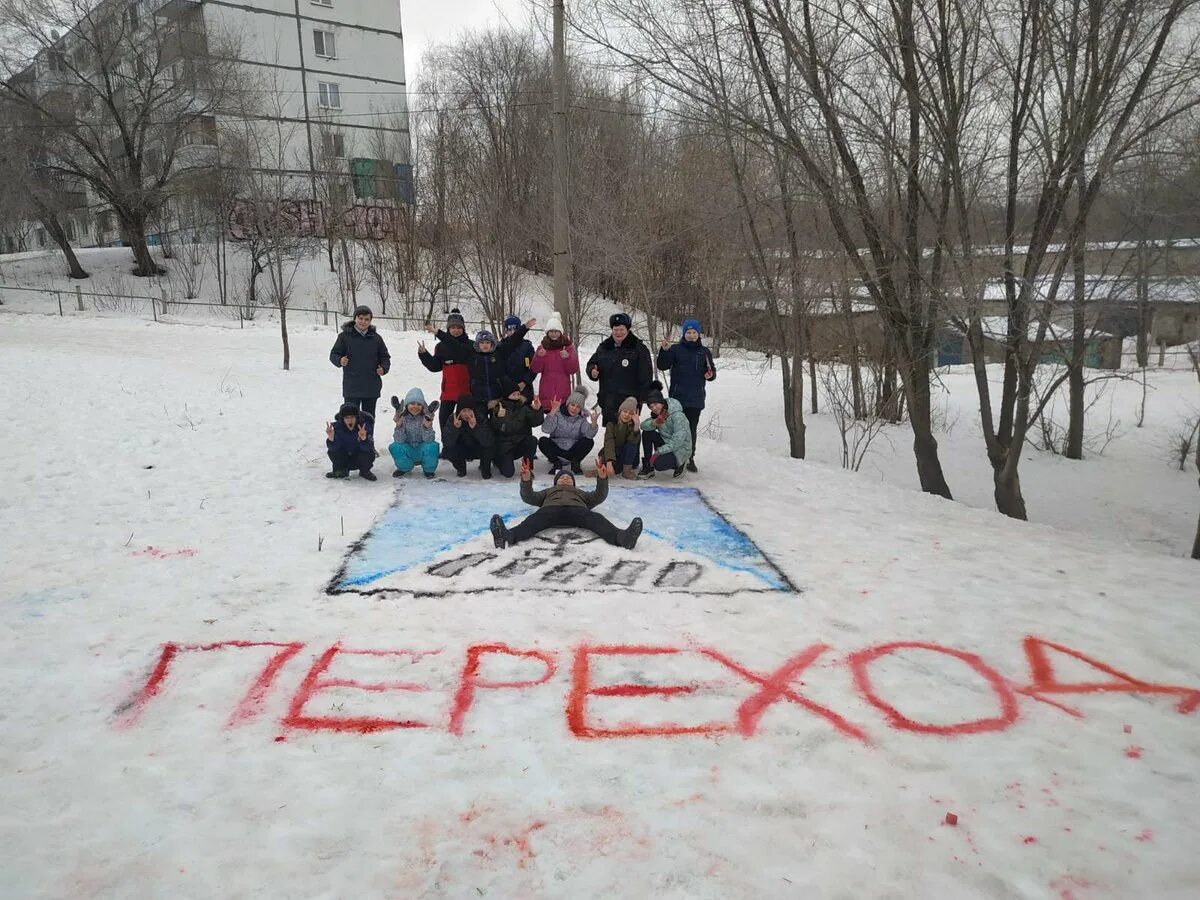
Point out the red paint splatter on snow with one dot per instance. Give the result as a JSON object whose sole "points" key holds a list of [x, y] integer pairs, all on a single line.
{"points": [[860, 661], [1133, 752], [159, 553], [289, 507], [1066, 885], [1145, 836], [520, 842], [1029, 839], [279, 738]]}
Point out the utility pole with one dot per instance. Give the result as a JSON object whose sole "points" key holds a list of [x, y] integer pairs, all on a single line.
{"points": [[562, 248]]}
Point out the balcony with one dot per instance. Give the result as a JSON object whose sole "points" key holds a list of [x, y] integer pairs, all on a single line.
{"points": [[183, 43], [174, 10]]}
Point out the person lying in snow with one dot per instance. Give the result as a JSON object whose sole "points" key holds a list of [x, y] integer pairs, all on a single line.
{"points": [[513, 421], [349, 443], [413, 440], [666, 436], [565, 506], [621, 439], [468, 435], [570, 432]]}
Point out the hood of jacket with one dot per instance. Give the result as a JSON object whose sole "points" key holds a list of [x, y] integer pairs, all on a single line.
{"points": [[674, 406]]}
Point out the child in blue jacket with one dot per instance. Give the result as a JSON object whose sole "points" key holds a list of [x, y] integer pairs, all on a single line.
{"points": [[691, 366], [350, 443], [413, 440]]}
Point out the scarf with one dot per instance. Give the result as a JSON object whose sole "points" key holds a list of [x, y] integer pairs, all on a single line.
{"points": [[563, 341]]}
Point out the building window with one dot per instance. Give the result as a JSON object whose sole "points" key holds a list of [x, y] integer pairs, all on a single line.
{"points": [[134, 18], [323, 41], [329, 97], [41, 237], [323, 3], [335, 145], [69, 229]]}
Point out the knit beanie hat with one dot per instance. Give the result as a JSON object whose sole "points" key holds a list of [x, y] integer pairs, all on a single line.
{"points": [[620, 319], [578, 397], [656, 394], [691, 323], [554, 323], [363, 311], [512, 322], [456, 318], [485, 335], [629, 405], [566, 472]]}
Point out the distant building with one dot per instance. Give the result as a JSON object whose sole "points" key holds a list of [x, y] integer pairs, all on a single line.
{"points": [[334, 68]]}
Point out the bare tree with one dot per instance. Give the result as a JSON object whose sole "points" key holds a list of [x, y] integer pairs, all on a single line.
{"points": [[28, 190], [113, 94], [276, 213]]}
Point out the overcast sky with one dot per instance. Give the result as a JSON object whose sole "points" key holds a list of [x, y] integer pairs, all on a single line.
{"points": [[428, 22]]}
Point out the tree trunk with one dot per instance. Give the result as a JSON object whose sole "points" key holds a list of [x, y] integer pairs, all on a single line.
{"points": [[793, 404], [134, 227], [806, 332], [1009, 499], [287, 350], [920, 414], [55, 230], [1075, 384]]}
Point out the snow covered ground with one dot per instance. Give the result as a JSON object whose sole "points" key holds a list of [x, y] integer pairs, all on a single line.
{"points": [[203, 700]]}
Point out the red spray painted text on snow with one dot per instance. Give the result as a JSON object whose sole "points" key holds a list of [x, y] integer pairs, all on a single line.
{"points": [[778, 687]]}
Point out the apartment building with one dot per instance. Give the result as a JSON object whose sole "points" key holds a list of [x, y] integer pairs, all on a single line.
{"points": [[324, 77]]}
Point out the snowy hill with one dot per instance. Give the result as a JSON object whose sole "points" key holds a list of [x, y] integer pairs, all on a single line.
{"points": [[229, 676]]}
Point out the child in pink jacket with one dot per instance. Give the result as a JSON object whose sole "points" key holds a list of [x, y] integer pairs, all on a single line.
{"points": [[554, 362]]}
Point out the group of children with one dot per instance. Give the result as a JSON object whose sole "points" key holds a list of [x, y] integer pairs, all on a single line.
{"points": [[495, 393]]}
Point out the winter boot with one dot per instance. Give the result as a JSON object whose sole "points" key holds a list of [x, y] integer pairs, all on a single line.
{"points": [[337, 473], [646, 471], [629, 473], [367, 474], [499, 532], [691, 465], [576, 468], [431, 474], [460, 471], [629, 536], [398, 474], [485, 472], [679, 470]]}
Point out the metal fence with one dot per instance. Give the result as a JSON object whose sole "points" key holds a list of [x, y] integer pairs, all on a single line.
{"points": [[71, 302]]}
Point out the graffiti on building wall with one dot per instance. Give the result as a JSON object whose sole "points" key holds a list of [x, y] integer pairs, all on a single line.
{"points": [[308, 218]]}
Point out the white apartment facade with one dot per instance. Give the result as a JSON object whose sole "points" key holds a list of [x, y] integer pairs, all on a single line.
{"points": [[328, 77]]}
